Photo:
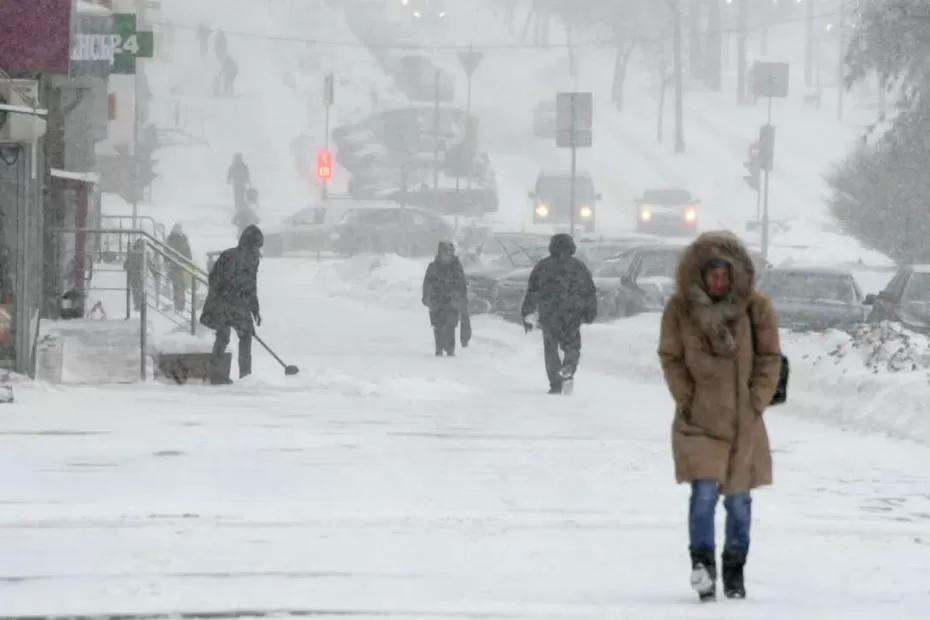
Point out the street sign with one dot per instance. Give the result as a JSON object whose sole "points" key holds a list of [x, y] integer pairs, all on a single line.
{"points": [[324, 165], [129, 44], [574, 111], [329, 90], [470, 61], [580, 139], [770, 79]]}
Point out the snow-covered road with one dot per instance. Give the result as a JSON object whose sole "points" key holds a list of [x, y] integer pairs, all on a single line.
{"points": [[382, 482]]}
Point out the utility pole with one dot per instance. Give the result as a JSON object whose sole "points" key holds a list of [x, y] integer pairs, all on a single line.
{"points": [[809, 45], [436, 135], [741, 55], [329, 96], [679, 85], [840, 68]]}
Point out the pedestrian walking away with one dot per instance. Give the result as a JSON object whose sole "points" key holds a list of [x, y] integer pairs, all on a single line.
{"points": [[179, 276], [721, 357], [232, 299], [240, 178], [561, 290], [445, 294]]}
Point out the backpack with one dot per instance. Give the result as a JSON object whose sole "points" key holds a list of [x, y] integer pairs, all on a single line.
{"points": [[781, 392]]}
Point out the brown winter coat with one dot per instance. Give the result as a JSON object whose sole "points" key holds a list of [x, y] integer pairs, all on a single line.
{"points": [[721, 386]]}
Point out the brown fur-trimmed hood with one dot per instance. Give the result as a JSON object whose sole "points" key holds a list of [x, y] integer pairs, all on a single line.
{"points": [[716, 318]]}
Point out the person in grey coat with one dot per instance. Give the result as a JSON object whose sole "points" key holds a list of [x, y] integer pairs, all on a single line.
{"points": [[562, 291], [232, 299], [177, 273]]}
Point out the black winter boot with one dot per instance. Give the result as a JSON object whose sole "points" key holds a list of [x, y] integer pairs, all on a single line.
{"points": [[733, 562], [704, 573]]}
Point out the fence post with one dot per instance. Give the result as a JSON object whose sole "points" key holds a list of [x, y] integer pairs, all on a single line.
{"points": [[128, 293], [193, 305], [143, 319]]}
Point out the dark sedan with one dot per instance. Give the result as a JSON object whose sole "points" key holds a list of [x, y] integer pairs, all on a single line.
{"points": [[814, 299], [483, 277], [639, 280], [906, 299]]}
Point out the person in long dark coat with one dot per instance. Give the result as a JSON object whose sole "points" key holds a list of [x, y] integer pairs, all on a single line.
{"points": [[562, 290], [178, 242], [240, 178], [232, 300], [445, 294]]}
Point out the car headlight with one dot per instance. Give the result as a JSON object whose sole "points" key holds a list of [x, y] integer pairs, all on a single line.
{"points": [[645, 215], [542, 211], [586, 212], [691, 215]]}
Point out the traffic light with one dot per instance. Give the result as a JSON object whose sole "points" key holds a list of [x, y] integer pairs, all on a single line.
{"points": [[324, 165], [753, 167], [767, 147]]}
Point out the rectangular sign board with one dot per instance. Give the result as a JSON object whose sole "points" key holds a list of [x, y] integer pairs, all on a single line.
{"points": [[580, 139], [35, 36], [770, 79], [574, 111]]}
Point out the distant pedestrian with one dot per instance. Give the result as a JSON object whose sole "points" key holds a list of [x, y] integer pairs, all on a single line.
{"points": [[136, 259], [232, 300], [240, 178], [229, 72], [721, 357], [179, 274], [221, 45], [203, 36], [562, 291], [445, 294]]}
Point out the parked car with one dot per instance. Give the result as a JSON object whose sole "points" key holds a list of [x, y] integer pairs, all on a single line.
{"points": [[639, 280], [304, 231], [594, 252], [813, 299], [906, 299], [403, 231], [544, 120], [484, 277], [508, 293], [668, 212]]}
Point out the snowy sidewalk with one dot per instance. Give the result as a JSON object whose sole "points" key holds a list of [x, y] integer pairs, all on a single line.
{"points": [[382, 482]]}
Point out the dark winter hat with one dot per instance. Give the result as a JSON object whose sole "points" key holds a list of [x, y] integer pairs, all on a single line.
{"points": [[252, 238], [562, 244], [445, 246], [716, 263]]}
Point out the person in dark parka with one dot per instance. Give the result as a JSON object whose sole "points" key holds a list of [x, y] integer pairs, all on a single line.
{"points": [[562, 291], [445, 293], [232, 300], [178, 242], [240, 178]]}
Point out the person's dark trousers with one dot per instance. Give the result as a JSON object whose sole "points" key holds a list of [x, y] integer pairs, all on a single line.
{"points": [[239, 195], [444, 321], [704, 497], [177, 284], [245, 348], [564, 335], [135, 287]]}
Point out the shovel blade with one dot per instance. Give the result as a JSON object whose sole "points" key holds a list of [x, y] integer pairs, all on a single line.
{"points": [[290, 371]]}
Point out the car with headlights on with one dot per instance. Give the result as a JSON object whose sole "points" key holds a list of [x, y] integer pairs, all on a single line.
{"points": [[673, 212], [552, 196]]}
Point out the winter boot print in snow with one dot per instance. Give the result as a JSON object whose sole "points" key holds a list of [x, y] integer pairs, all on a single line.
{"points": [[704, 573], [733, 563]]}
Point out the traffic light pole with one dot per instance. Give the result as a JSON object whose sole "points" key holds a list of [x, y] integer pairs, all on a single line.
{"points": [[325, 182], [765, 196], [571, 202]]}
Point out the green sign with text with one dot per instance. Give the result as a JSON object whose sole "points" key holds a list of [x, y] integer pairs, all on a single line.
{"points": [[129, 44]]}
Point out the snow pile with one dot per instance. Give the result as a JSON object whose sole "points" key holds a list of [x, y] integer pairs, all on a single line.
{"points": [[393, 280]]}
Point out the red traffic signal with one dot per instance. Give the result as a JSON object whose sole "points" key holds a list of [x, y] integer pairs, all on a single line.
{"points": [[324, 165]]}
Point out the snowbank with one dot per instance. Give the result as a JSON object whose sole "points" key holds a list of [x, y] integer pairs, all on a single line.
{"points": [[388, 279]]}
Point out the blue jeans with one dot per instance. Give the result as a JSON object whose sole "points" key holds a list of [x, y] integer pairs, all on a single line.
{"points": [[704, 497]]}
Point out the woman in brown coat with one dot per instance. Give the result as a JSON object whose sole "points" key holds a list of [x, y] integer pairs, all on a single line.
{"points": [[721, 358]]}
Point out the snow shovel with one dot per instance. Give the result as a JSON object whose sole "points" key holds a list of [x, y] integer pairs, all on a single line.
{"points": [[289, 370]]}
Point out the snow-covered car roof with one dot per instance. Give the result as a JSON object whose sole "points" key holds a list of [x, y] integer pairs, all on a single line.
{"points": [[800, 270], [920, 268]]}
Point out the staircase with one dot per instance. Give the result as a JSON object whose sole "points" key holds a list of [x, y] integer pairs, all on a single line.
{"points": [[107, 342]]}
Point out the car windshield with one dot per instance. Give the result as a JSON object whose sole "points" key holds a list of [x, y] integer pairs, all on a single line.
{"points": [[559, 189], [918, 288], [809, 287], [658, 265], [667, 196], [597, 254], [616, 268]]}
